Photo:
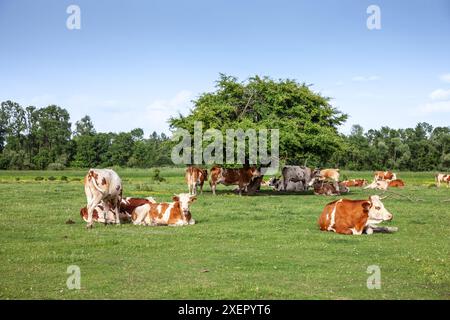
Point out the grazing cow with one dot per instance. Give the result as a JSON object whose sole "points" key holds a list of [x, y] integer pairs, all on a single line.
{"points": [[195, 177], [380, 185], [170, 214], [106, 217], [355, 183], [398, 183], [353, 216], [384, 175], [297, 176], [102, 185], [442, 177], [328, 188], [242, 177]]}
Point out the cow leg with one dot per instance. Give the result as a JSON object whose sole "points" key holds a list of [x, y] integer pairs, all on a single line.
{"points": [[91, 206], [117, 211], [213, 188], [201, 187]]}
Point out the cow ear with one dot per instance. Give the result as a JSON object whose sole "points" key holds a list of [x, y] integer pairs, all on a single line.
{"points": [[366, 205], [175, 198]]}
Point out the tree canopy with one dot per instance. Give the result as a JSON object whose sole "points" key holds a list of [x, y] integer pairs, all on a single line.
{"points": [[306, 120]]}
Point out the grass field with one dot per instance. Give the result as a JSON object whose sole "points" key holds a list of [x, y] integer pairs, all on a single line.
{"points": [[266, 246]]}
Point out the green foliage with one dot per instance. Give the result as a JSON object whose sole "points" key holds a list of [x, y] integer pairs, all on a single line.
{"points": [[56, 166], [420, 149], [39, 178], [306, 120], [64, 178], [51, 178]]}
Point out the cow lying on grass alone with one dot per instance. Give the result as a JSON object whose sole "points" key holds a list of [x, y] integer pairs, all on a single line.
{"points": [[384, 184], [354, 216], [355, 183], [175, 213]]}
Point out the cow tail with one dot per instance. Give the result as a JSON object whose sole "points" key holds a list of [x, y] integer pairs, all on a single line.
{"points": [[96, 185]]}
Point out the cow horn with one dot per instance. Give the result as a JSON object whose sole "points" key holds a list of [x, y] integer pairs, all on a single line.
{"points": [[381, 198]]}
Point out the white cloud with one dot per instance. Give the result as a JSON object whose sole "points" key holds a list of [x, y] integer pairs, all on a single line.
{"points": [[365, 78], [436, 107], [445, 77], [440, 94]]}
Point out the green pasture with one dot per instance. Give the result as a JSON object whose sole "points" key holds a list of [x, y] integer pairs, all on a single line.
{"points": [[265, 246]]}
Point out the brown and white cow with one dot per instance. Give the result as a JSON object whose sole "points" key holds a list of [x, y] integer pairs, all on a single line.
{"points": [[330, 174], [241, 177], [328, 188], [384, 175], [127, 205], [397, 183], [379, 185], [175, 213], [102, 186], [353, 216], [106, 217], [355, 183], [442, 178], [195, 177]]}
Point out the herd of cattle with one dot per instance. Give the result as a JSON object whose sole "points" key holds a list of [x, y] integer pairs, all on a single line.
{"points": [[106, 204]]}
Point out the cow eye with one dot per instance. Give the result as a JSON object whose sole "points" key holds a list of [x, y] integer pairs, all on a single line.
{"points": [[377, 208]]}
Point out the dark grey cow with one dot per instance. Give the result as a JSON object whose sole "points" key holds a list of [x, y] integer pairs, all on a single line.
{"points": [[297, 174], [278, 185]]}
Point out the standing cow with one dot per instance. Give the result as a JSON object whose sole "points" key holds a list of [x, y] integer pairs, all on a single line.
{"points": [[442, 177], [102, 185], [296, 177], [195, 177], [242, 177], [384, 175]]}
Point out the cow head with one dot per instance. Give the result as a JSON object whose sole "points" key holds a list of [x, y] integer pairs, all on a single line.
{"points": [[185, 200], [376, 210]]}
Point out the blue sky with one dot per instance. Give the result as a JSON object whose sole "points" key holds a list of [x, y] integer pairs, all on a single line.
{"points": [[135, 63]]}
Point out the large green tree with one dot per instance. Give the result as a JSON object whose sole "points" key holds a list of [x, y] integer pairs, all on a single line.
{"points": [[307, 121]]}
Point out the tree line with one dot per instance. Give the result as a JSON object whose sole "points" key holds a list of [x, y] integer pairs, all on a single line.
{"points": [[43, 138]]}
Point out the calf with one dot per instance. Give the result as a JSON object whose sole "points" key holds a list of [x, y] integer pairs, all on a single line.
{"points": [[442, 177], [195, 177], [398, 183], [129, 204], [384, 175], [353, 216], [102, 185], [241, 177], [172, 214], [355, 183]]}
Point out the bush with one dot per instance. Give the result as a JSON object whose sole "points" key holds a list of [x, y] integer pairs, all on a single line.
{"points": [[157, 177], [39, 178], [51, 178], [17, 179], [64, 178], [56, 166]]}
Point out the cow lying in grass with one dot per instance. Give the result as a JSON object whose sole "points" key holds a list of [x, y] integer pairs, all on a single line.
{"points": [[384, 184], [175, 213], [104, 214], [355, 183], [354, 216]]}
